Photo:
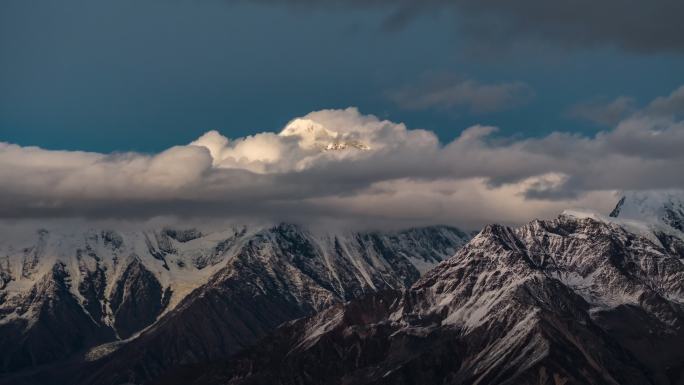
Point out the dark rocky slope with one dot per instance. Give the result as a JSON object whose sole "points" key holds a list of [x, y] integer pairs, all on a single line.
{"points": [[568, 301], [271, 276]]}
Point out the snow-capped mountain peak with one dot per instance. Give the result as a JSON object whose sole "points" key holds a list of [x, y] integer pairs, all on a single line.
{"points": [[664, 207], [148, 286], [575, 300], [313, 135]]}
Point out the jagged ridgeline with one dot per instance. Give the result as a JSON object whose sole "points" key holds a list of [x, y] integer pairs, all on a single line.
{"points": [[581, 299], [130, 304], [576, 300]]}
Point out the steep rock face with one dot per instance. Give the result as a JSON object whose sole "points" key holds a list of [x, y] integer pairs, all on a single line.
{"points": [[569, 301], [219, 291], [136, 300], [120, 281], [672, 243], [94, 276], [182, 235], [92, 289], [55, 325], [280, 274]]}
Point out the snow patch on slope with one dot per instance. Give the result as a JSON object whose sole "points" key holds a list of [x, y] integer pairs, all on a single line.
{"points": [[644, 228]]}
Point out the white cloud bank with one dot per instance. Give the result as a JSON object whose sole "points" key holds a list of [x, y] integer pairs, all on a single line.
{"points": [[345, 166]]}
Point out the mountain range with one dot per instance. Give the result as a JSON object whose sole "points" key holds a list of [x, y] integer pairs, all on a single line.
{"points": [[581, 299], [130, 304]]}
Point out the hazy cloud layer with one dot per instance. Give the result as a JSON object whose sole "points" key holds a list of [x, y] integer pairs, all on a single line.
{"points": [[448, 93], [345, 166], [632, 25]]}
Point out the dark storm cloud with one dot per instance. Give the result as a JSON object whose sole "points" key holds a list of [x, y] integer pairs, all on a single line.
{"points": [[632, 25], [672, 104], [451, 93], [603, 113], [609, 113]]}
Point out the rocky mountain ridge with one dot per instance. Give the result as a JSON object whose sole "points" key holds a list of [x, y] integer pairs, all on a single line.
{"points": [[575, 300], [145, 288], [580, 299]]}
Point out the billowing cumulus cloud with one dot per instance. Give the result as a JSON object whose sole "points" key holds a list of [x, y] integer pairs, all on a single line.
{"points": [[346, 166]]}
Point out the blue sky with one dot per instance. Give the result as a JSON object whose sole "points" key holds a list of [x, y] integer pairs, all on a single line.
{"points": [[588, 98], [145, 75]]}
